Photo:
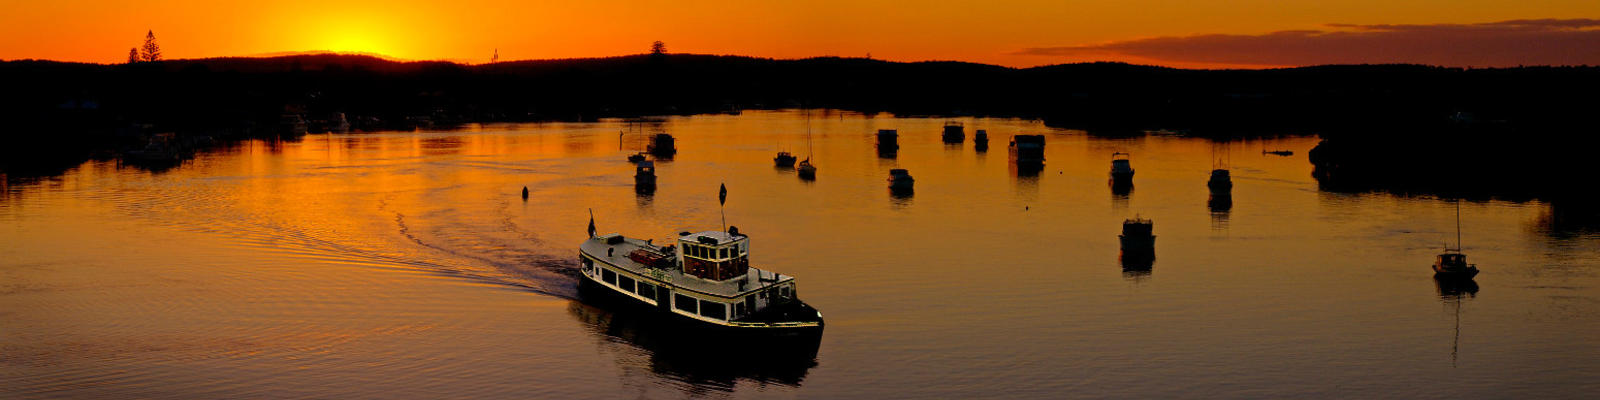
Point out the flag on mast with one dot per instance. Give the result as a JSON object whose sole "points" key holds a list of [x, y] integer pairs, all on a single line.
{"points": [[591, 222], [722, 196]]}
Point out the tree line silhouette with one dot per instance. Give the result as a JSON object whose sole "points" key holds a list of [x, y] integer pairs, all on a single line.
{"points": [[55, 108]]}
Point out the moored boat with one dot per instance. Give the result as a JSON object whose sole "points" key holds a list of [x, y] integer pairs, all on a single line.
{"points": [[980, 140], [954, 132], [1452, 263], [1121, 168], [644, 175], [662, 145], [784, 159], [1028, 151], [806, 170], [888, 142], [900, 180], [705, 279], [1221, 182], [1137, 235]]}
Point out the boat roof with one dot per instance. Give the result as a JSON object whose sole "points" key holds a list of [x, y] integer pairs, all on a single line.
{"points": [[754, 281], [720, 236]]}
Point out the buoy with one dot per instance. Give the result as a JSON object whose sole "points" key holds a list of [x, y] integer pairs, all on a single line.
{"points": [[524, 192]]}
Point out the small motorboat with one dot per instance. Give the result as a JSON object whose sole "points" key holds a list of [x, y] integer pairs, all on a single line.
{"points": [[784, 159], [636, 157], [1137, 235], [1281, 153], [900, 180], [980, 140], [663, 145], [1221, 181], [644, 176], [1121, 169]]}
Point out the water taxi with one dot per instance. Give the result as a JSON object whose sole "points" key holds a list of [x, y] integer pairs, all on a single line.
{"points": [[705, 279]]}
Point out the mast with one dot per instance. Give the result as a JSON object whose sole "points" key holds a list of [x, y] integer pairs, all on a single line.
{"points": [[1458, 224]]}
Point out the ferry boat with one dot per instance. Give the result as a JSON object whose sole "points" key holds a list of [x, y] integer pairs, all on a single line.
{"points": [[705, 279], [980, 140], [954, 132], [1121, 169]]}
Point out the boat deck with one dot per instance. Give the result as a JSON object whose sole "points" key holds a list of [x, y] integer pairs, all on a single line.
{"points": [[756, 280]]}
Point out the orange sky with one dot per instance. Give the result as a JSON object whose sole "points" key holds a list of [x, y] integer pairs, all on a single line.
{"points": [[994, 31]]}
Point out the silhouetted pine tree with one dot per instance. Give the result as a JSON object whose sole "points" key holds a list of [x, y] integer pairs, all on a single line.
{"points": [[151, 51], [133, 55], [658, 48]]}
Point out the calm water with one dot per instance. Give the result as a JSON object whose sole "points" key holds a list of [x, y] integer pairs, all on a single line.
{"points": [[405, 264]]}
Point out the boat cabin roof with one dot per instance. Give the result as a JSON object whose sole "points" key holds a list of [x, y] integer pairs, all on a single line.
{"points": [[753, 281], [712, 238]]}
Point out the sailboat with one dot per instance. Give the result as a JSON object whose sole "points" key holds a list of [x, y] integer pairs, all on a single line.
{"points": [[1452, 263], [806, 170]]}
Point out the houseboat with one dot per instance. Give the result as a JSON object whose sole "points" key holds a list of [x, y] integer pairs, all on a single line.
{"points": [[954, 132], [704, 279]]}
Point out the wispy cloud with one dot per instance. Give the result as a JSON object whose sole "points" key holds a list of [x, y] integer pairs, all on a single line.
{"points": [[1504, 43]]}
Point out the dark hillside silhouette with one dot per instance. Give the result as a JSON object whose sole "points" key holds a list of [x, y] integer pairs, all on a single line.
{"points": [[56, 109]]}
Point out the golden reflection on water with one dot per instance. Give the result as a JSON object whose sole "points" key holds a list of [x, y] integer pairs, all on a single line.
{"points": [[404, 263]]}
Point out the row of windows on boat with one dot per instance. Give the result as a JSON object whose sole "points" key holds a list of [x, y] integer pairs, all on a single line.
{"points": [[705, 308], [712, 253]]}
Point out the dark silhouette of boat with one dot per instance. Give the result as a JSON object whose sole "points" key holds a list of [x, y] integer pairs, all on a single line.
{"points": [[888, 143], [1028, 150], [1137, 235], [806, 170], [954, 132], [1221, 182], [644, 175], [784, 159], [1452, 263], [1121, 169], [636, 157], [900, 180], [980, 140], [662, 145], [1282, 153]]}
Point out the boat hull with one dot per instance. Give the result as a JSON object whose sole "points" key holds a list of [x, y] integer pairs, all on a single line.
{"points": [[593, 292], [1442, 272]]}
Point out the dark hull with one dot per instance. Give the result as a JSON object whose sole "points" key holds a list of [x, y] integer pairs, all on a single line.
{"points": [[667, 321], [1454, 273]]}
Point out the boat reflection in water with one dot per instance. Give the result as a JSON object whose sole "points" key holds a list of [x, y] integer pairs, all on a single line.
{"points": [[1455, 292], [708, 359]]}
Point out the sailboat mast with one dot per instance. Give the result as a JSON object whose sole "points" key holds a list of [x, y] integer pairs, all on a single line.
{"points": [[1458, 224]]}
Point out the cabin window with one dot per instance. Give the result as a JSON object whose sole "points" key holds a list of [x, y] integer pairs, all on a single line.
{"points": [[685, 303], [608, 276], [625, 283], [714, 310], [648, 291], [724, 253], [783, 292]]}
